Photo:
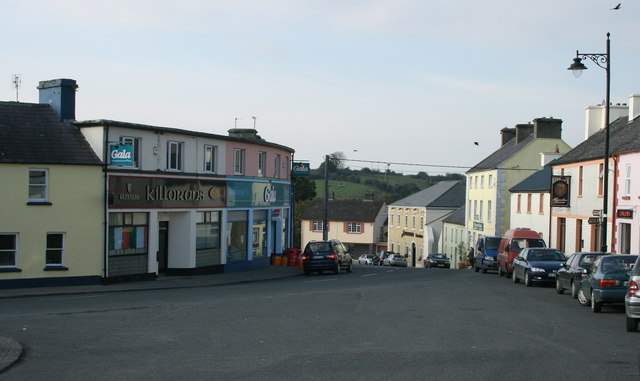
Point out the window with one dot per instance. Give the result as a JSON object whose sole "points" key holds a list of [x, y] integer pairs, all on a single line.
{"points": [[489, 211], [475, 209], [406, 219], [55, 249], [490, 182], [518, 205], [580, 173], [207, 238], [317, 226], [354, 227], [421, 220], [413, 220], [482, 181], [627, 181], [135, 144], [481, 209], [469, 207], [259, 243], [237, 225], [210, 156], [600, 179], [8, 250], [529, 203], [128, 234], [38, 185], [276, 163], [262, 163], [238, 161], [541, 206], [174, 156], [625, 238]]}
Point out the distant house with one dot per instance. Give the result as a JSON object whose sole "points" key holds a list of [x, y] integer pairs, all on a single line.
{"points": [[360, 224], [415, 222], [51, 199], [488, 182], [576, 220], [452, 239]]}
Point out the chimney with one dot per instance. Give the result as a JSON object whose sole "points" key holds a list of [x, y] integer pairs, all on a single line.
{"points": [[594, 118], [547, 128], [634, 106], [244, 133], [60, 94], [522, 131], [507, 134]]}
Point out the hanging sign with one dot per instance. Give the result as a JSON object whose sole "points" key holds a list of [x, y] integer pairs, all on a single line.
{"points": [[121, 154]]}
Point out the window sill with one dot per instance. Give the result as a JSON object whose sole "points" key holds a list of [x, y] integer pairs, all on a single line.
{"points": [[10, 270], [55, 268], [626, 197], [46, 203]]}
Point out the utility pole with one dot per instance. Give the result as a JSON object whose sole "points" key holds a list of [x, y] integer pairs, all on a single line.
{"points": [[325, 221]]}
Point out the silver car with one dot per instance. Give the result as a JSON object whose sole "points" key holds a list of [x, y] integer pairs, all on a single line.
{"points": [[632, 298], [396, 260]]}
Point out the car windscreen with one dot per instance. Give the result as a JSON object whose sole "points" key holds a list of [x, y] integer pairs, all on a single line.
{"points": [[617, 263], [492, 243], [546, 255], [587, 260], [437, 256], [319, 247]]}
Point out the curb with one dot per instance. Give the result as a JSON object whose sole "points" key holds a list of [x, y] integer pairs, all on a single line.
{"points": [[10, 352]]}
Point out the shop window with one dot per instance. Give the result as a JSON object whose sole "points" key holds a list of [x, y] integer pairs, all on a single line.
{"points": [[135, 145], [128, 234], [259, 233], [8, 251], [237, 226], [207, 238], [210, 158], [174, 156], [38, 185], [54, 254]]}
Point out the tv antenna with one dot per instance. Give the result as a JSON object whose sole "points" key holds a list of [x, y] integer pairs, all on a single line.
{"points": [[17, 81]]}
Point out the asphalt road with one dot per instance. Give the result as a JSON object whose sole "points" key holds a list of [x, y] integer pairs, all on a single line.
{"points": [[377, 323]]}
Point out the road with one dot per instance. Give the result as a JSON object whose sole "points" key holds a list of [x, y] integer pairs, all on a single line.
{"points": [[377, 323]]}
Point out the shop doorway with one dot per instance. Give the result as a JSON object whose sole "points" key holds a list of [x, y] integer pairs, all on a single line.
{"points": [[273, 237], [413, 255], [163, 246]]}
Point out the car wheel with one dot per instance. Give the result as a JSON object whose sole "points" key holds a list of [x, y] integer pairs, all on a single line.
{"points": [[632, 324], [349, 268], [307, 272], [527, 279], [595, 306], [484, 270], [582, 298], [574, 290], [559, 288], [338, 268], [514, 278]]}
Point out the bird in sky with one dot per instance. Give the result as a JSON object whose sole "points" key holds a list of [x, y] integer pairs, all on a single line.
{"points": [[616, 7], [476, 143]]}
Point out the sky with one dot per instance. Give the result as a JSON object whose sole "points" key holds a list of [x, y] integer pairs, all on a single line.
{"points": [[408, 85]]}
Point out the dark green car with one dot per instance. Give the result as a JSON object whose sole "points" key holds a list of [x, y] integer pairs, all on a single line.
{"points": [[607, 281]]}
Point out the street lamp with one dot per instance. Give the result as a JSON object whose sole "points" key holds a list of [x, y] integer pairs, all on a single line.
{"points": [[602, 60]]}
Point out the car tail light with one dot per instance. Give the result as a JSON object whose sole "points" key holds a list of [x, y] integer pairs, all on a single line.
{"points": [[633, 288], [305, 257], [331, 256], [607, 283]]}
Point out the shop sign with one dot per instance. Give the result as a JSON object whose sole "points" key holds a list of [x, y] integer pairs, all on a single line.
{"points": [[275, 215], [155, 192], [560, 186], [300, 169], [625, 213], [479, 226], [121, 154], [247, 194], [593, 220]]}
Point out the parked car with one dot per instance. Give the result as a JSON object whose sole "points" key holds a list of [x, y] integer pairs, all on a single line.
{"points": [[512, 243], [537, 265], [384, 255], [329, 255], [368, 259], [396, 260], [486, 254], [437, 260], [632, 299], [607, 281], [570, 275]]}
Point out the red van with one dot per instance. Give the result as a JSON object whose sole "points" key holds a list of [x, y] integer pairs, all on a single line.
{"points": [[513, 241]]}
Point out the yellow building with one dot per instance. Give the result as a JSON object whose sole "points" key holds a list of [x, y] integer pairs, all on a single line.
{"points": [[51, 199], [488, 201]]}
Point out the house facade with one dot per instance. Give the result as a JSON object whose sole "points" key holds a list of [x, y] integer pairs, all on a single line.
{"points": [[488, 200], [415, 222], [51, 200], [360, 224], [578, 183], [453, 237]]}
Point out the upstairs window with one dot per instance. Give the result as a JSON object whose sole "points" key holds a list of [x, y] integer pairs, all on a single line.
{"points": [[276, 169], [354, 227], [262, 163], [627, 181], [210, 158], [317, 226], [238, 161], [174, 156], [38, 185]]}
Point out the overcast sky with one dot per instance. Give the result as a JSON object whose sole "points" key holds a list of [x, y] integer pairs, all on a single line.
{"points": [[399, 81]]}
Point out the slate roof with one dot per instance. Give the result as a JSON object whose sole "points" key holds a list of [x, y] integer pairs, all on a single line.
{"points": [[501, 154], [32, 134], [456, 217], [444, 194], [539, 181], [623, 136], [344, 210]]}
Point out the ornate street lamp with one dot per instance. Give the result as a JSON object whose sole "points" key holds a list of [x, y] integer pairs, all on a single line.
{"points": [[603, 61]]}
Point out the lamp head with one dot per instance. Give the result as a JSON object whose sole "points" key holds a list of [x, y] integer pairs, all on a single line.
{"points": [[577, 67]]}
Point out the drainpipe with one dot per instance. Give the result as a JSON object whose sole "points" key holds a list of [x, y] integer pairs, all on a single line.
{"points": [[105, 217], [613, 239]]}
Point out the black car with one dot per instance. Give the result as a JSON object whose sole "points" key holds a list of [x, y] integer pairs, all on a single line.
{"points": [[537, 265], [570, 274], [437, 260], [326, 255]]}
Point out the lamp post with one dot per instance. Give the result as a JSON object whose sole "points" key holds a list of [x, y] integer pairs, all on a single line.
{"points": [[602, 60]]}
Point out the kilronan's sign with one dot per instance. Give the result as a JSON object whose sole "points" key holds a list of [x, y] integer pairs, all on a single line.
{"points": [[155, 192]]}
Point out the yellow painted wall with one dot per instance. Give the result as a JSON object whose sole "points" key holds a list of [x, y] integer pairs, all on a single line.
{"points": [[76, 195]]}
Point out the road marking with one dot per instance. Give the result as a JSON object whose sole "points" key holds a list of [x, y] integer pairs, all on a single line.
{"points": [[369, 275], [321, 280]]}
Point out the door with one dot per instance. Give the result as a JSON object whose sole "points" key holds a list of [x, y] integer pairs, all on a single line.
{"points": [[163, 246], [413, 255]]}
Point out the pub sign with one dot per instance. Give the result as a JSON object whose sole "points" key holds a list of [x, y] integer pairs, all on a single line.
{"points": [[560, 191]]}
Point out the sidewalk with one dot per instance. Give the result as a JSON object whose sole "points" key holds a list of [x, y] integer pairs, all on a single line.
{"points": [[11, 350]]}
